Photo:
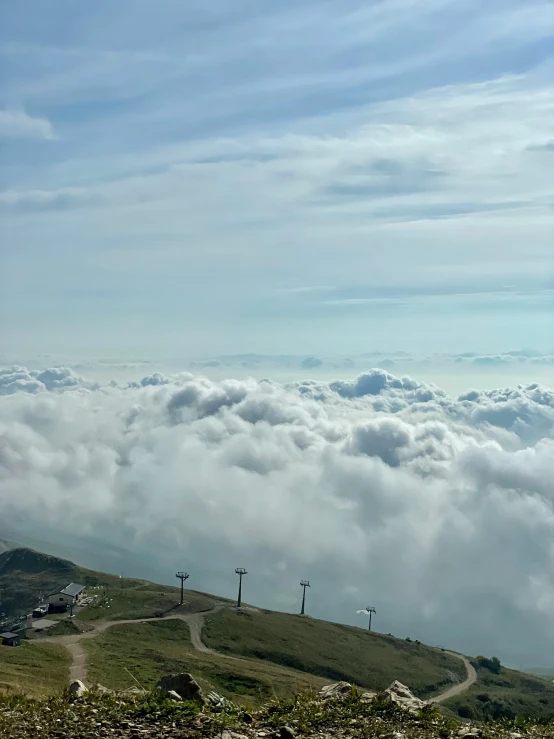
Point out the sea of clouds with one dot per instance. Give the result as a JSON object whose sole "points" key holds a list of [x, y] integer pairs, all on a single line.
{"points": [[438, 508]]}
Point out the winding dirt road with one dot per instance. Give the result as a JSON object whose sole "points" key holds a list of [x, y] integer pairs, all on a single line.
{"points": [[195, 621], [459, 687], [72, 642]]}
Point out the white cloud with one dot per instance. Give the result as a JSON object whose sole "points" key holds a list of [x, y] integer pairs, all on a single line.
{"points": [[432, 500], [16, 124], [19, 379]]}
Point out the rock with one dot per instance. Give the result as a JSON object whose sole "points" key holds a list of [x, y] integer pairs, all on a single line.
{"points": [[468, 731], [172, 695], [247, 718], [218, 702], [403, 696], [285, 732], [367, 697], [336, 690], [77, 689], [102, 689], [184, 685]]}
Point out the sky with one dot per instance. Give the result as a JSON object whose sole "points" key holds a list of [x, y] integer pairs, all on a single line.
{"points": [[276, 291], [203, 178]]}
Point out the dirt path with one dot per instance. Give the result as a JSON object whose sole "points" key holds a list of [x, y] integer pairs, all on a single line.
{"points": [[459, 687], [195, 621], [72, 642]]}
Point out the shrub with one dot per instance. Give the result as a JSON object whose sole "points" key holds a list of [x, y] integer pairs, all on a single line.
{"points": [[492, 664], [465, 711]]}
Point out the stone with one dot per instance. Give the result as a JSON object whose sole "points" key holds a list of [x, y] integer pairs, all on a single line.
{"points": [[217, 702], [468, 731], [247, 718], [184, 685], [172, 695], [403, 697], [77, 689], [285, 732], [336, 690], [367, 697]]}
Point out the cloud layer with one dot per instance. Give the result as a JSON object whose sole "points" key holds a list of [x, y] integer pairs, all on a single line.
{"points": [[381, 486]]}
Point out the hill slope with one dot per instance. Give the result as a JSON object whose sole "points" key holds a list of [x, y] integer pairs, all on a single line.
{"points": [[508, 694], [256, 653], [333, 651], [125, 655], [24, 574]]}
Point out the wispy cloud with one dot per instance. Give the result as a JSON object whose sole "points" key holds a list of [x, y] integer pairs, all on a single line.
{"points": [[16, 124], [278, 151], [308, 289]]}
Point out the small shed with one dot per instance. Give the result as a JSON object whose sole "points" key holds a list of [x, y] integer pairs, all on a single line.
{"points": [[10, 639]]}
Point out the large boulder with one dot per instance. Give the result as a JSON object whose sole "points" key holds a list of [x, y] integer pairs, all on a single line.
{"points": [[403, 696], [77, 689], [336, 690], [184, 685]]}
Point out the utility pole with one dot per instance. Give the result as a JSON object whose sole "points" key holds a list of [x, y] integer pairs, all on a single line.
{"points": [[305, 584], [182, 576], [240, 572], [370, 610]]}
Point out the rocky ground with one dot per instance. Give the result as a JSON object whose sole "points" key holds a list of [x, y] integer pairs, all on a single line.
{"points": [[340, 712]]}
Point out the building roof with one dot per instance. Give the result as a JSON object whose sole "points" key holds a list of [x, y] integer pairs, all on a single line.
{"points": [[10, 635], [72, 589]]}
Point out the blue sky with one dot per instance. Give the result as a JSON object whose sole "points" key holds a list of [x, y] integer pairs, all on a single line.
{"points": [[182, 179]]}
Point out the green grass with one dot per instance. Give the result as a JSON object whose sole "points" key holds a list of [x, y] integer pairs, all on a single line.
{"points": [[510, 694], [33, 669], [332, 651], [145, 600], [132, 654]]}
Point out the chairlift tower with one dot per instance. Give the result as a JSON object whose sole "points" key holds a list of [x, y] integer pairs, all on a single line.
{"points": [[182, 576], [304, 584], [240, 571], [370, 610]]}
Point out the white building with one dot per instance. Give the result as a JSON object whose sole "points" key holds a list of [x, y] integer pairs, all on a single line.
{"points": [[68, 596]]}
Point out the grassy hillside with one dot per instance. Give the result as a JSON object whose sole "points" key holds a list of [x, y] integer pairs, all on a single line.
{"points": [[33, 669], [128, 655], [508, 694], [264, 654], [332, 651], [143, 600], [25, 573]]}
